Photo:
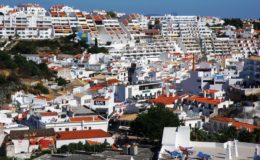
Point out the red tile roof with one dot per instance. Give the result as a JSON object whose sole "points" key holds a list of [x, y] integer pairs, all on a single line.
{"points": [[223, 119], [101, 99], [204, 100], [86, 119], [240, 125], [97, 18], [92, 142], [45, 114], [95, 88], [209, 91], [152, 31], [82, 134], [47, 98], [46, 55], [166, 100], [187, 59], [235, 123], [111, 82]]}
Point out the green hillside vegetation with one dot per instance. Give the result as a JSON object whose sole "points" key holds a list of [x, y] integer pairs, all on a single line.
{"points": [[64, 45], [16, 67], [238, 23], [21, 67], [227, 134], [256, 25]]}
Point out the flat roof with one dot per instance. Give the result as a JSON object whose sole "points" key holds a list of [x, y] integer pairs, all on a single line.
{"points": [[128, 117], [219, 153], [87, 119], [254, 58]]}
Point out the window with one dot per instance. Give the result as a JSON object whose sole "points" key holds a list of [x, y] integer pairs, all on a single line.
{"points": [[89, 128], [67, 129], [87, 101], [74, 129], [60, 129]]}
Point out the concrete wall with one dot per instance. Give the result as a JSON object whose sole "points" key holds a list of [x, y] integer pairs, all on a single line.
{"points": [[21, 146], [206, 144], [221, 145], [59, 127], [183, 136]]}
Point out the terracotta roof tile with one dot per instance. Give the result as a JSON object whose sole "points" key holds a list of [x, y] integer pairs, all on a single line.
{"points": [[204, 100], [82, 134], [92, 142], [95, 88], [236, 124], [86, 119], [166, 100], [45, 114], [209, 91], [101, 99]]}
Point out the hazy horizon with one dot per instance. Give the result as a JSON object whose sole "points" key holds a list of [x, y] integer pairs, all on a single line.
{"points": [[219, 8]]}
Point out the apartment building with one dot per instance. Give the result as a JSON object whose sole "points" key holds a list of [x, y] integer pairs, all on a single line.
{"points": [[252, 69], [25, 22], [247, 45]]}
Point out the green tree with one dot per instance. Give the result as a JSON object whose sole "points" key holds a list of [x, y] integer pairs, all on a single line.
{"points": [[238, 23], [96, 42], [112, 14], [6, 61], [244, 136], [227, 134], [96, 49], [255, 138], [152, 123], [61, 81], [41, 88], [198, 135], [256, 25], [83, 44], [63, 149]]}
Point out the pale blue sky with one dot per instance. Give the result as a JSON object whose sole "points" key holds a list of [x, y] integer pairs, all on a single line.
{"points": [[220, 8]]}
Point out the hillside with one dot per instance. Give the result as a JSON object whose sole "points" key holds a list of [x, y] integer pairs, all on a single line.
{"points": [[15, 68], [64, 45]]}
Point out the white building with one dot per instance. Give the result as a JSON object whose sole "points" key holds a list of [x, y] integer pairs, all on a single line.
{"points": [[139, 91], [60, 122], [88, 136]]}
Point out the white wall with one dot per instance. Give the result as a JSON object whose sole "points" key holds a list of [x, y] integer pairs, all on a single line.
{"points": [[20, 146], [206, 144], [59, 127]]}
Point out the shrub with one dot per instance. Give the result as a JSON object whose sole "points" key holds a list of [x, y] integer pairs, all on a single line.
{"points": [[42, 89]]}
